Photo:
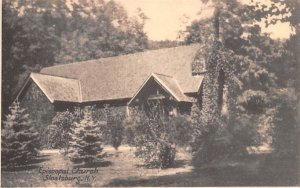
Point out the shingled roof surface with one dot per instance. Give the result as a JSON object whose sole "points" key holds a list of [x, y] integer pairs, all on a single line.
{"points": [[172, 85], [58, 88], [168, 83], [121, 76]]}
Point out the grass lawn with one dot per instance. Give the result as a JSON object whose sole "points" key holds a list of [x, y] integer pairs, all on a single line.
{"points": [[123, 169]]}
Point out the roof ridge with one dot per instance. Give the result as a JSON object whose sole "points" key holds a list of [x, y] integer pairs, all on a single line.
{"points": [[120, 76], [179, 87], [73, 63], [54, 76], [161, 82], [162, 74], [121, 55]]}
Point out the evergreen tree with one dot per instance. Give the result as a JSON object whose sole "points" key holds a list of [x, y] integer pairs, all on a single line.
{"points": [[85, 140], [20, 141], [62, 122]]}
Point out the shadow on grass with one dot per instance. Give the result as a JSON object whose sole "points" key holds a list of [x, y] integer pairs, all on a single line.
{"points": [[153, 181], [116, 154], [30, 165], [277, 173], [179, 163], [19, 168], [154, 165], [97, 164], [83, 184], [40, 159]]}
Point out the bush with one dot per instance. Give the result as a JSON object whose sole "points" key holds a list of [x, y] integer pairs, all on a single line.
{"points": [[285, 142], [286, 131], [20, 142], [167, 154], [154, 138], [179, 127], [180, 130], [85, 140], [117, 135], [112, 120], [115, 130], [129, 134], [226, 140], [253, 101], [60, 128]]}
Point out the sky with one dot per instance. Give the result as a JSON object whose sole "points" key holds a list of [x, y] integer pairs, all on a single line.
{"points": [[167, 17]]}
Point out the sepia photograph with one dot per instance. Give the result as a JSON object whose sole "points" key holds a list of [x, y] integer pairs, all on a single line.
{"points": [[150, 93]]}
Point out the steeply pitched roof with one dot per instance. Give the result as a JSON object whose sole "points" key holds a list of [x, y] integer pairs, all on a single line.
{"points": [[168, 83], [58, 88], [121, 76]]}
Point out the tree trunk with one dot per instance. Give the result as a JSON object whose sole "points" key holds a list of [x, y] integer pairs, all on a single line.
{"points": [[217, 22]]}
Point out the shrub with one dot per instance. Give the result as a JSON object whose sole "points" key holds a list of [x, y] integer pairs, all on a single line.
{"points": [[85, 140], [129, 134], [225, 140], [285, 141], [20, 142], [60, 128], [253, 101], [286, 131], [58, 135], [180, 130], [115, 130], [112, 120], [153, 138]]}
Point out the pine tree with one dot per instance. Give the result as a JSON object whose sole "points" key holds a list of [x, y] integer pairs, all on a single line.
{"points": [[85, 140], [20, 141]]}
